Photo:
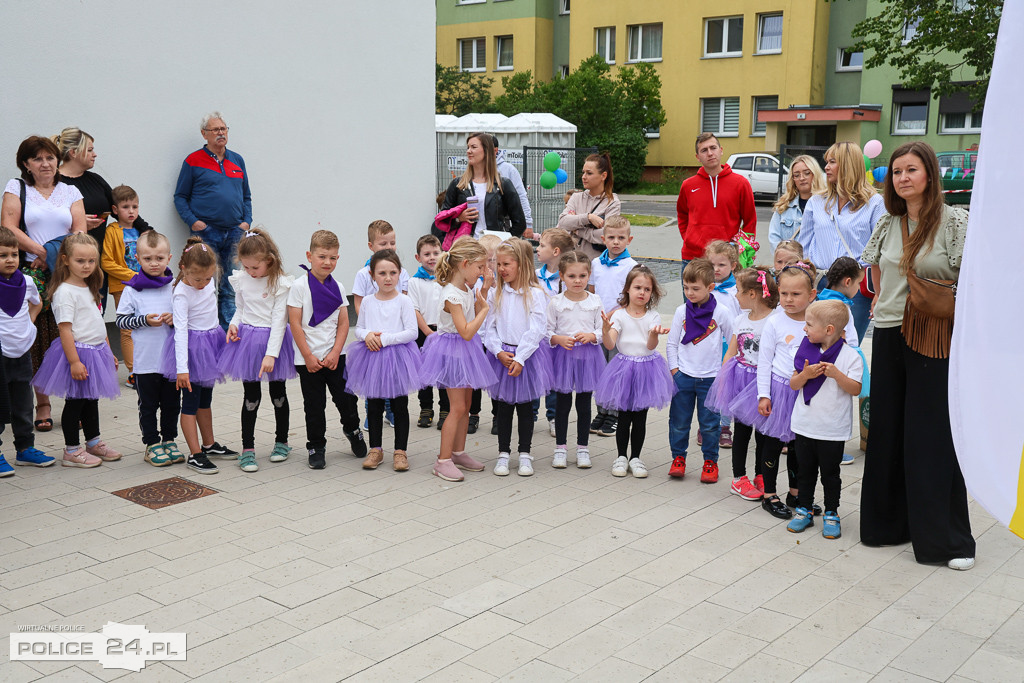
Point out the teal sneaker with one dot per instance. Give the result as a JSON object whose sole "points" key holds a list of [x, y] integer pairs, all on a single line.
{"points": [[247, 461], [157, 455], [172, 450], [830, 525], [33, 457], [280, 453], [801, 520], [5, 469]]}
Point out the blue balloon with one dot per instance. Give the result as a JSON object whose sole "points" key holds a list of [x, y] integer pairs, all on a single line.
{"points": [[879, 172], [561, 176]]}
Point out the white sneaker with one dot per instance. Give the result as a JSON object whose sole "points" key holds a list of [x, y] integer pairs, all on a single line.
{"points": [[638, 469], [961, 564], [620, 467], [560, 459], [582, 457], [525, 465], [501, 467], [551, 427]]}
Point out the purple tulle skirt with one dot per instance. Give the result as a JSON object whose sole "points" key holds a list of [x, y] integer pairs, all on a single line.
{"points": [[576, 370], [533, 382], [450, 362], [241, 360], [204, 350], [734, 379], [635, 383], [777, 425], [389, 373], [54, 375]]}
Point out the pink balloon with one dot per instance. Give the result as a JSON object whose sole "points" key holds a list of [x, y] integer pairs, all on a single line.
{"points": [[872, 149]]}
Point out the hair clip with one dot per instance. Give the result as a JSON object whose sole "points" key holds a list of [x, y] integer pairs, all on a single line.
{"points": [[802, 264], [762, 278], [250, 233], [195, 245]]}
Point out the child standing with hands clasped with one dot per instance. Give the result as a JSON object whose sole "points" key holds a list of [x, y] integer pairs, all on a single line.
{"points": [[513, 331], [453, 359], [383, 362], [259, 345], [191, 356], [575, 332], [694, 349], [79, 364], [144, 310], [827, 374], [637, 378]]}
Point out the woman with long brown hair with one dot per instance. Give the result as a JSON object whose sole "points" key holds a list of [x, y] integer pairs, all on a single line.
{"points": [[585, 213], [913, 489], [493, 203]]}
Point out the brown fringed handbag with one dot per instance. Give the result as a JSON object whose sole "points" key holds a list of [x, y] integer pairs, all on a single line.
{"points": [[928, 316]]}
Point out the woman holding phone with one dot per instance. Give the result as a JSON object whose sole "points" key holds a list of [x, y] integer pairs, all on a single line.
{"points": [[492, 201], [585, 212]]}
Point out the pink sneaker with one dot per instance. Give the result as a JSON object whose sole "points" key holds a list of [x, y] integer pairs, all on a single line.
{"points": [[447, 470], [759, 483], [104, 452], [745, 490], [464, 462], [79, 458]]}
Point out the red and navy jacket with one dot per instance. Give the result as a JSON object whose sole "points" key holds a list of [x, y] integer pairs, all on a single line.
{"points": [[214, 192]]}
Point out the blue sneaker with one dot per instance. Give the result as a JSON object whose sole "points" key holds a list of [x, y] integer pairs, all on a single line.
{"points": [[830, 525], [33, 457], [847, 459], [5, 469], [801, 520], [389, 415]]}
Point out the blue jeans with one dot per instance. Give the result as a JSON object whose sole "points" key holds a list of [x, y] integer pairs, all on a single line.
{"points": [[682, 267], [224, 241], [691, 392], [549, 406], [861, 310]]}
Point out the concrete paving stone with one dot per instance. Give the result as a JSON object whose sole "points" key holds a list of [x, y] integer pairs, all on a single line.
{"points": [[459, 672], [937, 654], [564, 622], [330, 668], [542, 600], [690, 668], [505, 655], [262, 665], [403, 634], [764, 668], [644, 615], [483, 597], [869, 650], [825, 670], [615, 670], [709, 617], [729, 649], [415, 663], [233, 646], [621, 592]]}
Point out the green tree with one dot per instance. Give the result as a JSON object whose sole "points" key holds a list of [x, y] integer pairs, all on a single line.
{"points": [[952, 37], [459, 92]]}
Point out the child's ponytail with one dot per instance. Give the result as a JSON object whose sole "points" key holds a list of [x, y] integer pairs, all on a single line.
{"points": [[464, 249], [195, 255]]}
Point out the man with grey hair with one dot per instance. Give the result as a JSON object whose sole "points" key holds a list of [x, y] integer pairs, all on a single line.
{"points": [[212, 197]]}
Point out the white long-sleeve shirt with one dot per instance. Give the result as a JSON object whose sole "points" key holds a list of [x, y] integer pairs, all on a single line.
{"points": [[193, 309], [258, 307], [569, 317], [780, 339], [701, 358], [513, 326], [395, 319]]}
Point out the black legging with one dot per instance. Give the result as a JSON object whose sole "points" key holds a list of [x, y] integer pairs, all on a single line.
{"points": [[770, 454], [503, 416], [562, 408], [740, 441], [632, 431], [84, 410], [253, 393], [375, 421], [474, 402]]}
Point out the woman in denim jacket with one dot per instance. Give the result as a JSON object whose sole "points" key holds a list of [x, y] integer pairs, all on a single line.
{"points": [[805, 178]]}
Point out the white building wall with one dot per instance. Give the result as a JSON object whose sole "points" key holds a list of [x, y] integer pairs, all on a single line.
{"points": [[330, 103]]}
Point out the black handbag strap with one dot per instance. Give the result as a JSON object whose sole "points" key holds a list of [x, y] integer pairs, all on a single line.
{"points": [[22, 195]]}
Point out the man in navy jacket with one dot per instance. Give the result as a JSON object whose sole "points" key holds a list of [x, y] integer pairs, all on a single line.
{"points": [[212, 197]]}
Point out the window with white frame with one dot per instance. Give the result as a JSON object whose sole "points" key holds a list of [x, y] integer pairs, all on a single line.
{"points": [[605, 43], [645, 43], [910, 117], [720, 115], [910, 29], [469, 2], [563, 71], [964, 122], [563, 6], [473, 54], [760, 104], [723, 37], [503, 53], [848, 60], [769, 34]]}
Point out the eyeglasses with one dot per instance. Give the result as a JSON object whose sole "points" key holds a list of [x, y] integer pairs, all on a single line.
{"points": [[218, 131]]}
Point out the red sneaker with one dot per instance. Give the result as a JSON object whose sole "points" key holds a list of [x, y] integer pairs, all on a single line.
{"points": [[709, 475], [759, 483], [745, 490], [678, 469]]}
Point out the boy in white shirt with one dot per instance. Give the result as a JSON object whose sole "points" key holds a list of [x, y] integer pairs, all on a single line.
{"points": [[318, 316], [553, 243], [426, 300], [822, 419], [694, 350], [380, 235], [19, 306], [607, 278]]}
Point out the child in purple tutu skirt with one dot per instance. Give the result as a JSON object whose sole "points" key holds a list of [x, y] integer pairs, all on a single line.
{"points": [[383, 362], [79, 364], [734, 391], [259, 343], [453, 359], [637, 379], [574, 333], [780, 339], [192, 355], [515, 327]]}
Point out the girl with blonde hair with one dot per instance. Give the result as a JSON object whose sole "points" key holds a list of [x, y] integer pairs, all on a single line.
{"points": [[805, 179]]}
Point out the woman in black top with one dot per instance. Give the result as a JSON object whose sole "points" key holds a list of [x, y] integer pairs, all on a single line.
{"points": [[498, 206]]}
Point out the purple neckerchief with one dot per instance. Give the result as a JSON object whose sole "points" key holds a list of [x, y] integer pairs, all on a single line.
{"points": [[813, 354], [698, 317], [142, 281], [12, 293], [325, 295]]}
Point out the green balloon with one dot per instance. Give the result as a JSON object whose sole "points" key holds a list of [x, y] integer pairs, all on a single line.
{"points": [[552, 161], [867, 163], [547, 178]]}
